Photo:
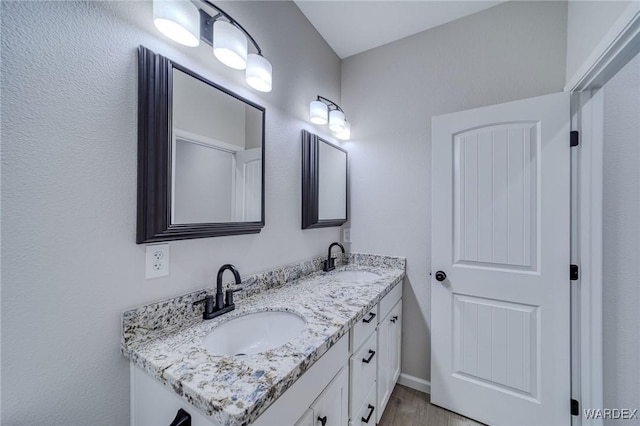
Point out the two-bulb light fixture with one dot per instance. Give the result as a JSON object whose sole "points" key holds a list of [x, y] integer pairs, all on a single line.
{"points": [[184, 23], [323, 111]]}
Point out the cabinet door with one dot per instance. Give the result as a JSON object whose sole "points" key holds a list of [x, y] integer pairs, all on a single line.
{"points": [[330, 409], [395, 319], [306, 419], [363, 371], [384, 362]]}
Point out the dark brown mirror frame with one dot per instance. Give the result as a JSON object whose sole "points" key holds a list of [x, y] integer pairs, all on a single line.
{"points": [[155, 94], [310, 183]]}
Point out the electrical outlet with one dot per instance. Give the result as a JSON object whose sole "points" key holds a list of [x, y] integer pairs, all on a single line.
{"points": [[157, 261], [346, 235]]}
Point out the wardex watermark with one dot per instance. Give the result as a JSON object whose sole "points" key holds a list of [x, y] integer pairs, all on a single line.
{"points": [[611, 413]]}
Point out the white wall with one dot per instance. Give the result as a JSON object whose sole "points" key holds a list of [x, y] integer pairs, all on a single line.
{"points": [[69, 144], [587, 23], [621, 239], [511, 51]]}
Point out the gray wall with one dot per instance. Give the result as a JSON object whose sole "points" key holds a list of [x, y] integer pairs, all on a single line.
{"points": [[621, 240], [512, 51], [69, 123], [587, 23]]}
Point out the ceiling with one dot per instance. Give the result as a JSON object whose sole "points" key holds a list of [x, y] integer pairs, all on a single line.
{"points": [[353, 26]]}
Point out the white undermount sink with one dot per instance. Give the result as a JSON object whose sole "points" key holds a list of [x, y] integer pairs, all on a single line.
{"points": [[254, 333], [356, 276]]}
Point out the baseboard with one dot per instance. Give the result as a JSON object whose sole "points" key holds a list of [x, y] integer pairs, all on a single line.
{"points": [[416, 383]]}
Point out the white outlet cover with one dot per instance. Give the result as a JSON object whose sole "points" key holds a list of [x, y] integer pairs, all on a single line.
{"points": [[157, 261], [346, 235]]}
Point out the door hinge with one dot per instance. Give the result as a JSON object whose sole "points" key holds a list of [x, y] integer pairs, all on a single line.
{"points": [[575, 407], [574, 138], [574, 272]]}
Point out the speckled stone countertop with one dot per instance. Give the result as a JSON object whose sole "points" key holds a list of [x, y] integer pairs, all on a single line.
{"points": [[165, 338]]}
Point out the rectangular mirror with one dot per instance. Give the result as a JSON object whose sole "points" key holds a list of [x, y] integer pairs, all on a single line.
{"points": [[324, 183], [200, 156]]}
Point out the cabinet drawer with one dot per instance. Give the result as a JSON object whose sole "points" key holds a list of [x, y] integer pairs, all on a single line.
{"points": [[363, 366], [368, 412], [363, 328], [389, 301]]}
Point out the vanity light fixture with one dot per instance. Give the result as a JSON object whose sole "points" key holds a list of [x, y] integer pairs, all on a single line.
{"points": [[324, 110], [187, 24]]}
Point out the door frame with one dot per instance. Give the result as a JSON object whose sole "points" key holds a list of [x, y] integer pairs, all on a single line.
{"points": [[619, 45]]}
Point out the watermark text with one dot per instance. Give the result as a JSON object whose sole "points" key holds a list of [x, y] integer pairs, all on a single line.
{"points": [[611, 413]]}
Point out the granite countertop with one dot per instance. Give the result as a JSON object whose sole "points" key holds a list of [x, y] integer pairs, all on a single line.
{"points": [[235, 390]]}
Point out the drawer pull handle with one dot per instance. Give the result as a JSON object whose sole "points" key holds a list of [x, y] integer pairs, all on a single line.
{"points": [[394, 318], [322, 420], [368, 360], [371, 408], [371, 317], [182, 419]]}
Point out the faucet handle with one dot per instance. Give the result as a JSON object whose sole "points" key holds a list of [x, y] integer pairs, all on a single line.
{"points": [[329, 265], [208, 303], [229, 293]]}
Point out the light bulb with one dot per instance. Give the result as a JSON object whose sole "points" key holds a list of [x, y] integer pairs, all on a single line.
{"points": [[318, 112], [336, 121], [178, 20], [345, 135], [258, 73], [229, 45]]}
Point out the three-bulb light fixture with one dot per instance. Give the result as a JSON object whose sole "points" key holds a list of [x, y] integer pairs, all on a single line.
{"points": [[184, 23], [323, 111]]}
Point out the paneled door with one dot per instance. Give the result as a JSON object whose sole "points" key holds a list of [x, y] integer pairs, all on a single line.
{"points": [[500, 262]]}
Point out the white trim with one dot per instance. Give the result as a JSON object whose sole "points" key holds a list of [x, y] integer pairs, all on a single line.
{"points": [[132, 400], [204, 140], [414, 382], [619, 45], [587, 241]]}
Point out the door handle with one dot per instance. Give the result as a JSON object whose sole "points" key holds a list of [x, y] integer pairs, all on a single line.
{"points": [[441, 276], [371, 317], [366, 419], [368, 360], [394, 319]]}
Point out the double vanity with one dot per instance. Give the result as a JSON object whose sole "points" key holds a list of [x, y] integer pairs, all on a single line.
{"points": [[301, 347], [314, 343]]}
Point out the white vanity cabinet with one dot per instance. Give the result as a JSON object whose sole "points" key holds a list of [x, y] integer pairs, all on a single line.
{"points": [[349, 385], [153, 404], [374, 365], [389, 344]]}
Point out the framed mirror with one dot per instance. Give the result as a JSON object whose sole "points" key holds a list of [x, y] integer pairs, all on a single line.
{"points": [[324, 183], [200, 155]]}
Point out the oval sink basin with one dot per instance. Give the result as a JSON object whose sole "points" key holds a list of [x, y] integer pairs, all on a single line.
{"points": [[253, 333], [356, 275]]}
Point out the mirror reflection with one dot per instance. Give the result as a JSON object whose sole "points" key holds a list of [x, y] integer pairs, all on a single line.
{"points": [[217, 155], [324, 183], [332, 178]]}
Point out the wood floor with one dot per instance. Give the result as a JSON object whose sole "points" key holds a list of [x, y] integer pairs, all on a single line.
{"points": [[408, 407]]}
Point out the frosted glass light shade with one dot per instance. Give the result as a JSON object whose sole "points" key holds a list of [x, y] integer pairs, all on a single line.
{"points": [[258, 73], [178, 20], [229, 45], [345, 135], [336, 121], [318, 112]]}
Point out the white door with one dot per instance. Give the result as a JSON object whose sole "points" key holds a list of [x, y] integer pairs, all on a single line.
{"points": [[249, 185], [500, 229]]}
